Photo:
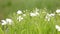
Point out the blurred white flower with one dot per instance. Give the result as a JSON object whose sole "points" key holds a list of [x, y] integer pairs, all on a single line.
{"points": [[51, 14], [19, 18], [58, 11], [34, 14], [48, 16], [57, 27], [9, 21], [19, 12], [3, 22]]}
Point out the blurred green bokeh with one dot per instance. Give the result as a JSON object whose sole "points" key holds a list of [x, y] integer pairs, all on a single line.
{"points": [[10, 6]]}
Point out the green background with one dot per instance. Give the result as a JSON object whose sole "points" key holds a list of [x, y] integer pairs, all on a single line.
{"points": [[9, 6]]}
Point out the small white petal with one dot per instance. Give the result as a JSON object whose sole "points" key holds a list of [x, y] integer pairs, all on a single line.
{"points": [[58, 11], [3, 22], [19, 18], [19, 12], [37, 13], [57, 27], [47, 18], [51, 14], [33, 14], [8, 20]]}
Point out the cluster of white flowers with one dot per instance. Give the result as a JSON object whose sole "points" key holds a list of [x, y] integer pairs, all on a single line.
{"points": [[19, 12], [19, 18], [57, 27], [48, 16], [34, 14], [58, 11], [7, 21]]}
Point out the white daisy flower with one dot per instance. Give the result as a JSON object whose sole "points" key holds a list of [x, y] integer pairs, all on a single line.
{"points": [[58, 11], [19, 12]]}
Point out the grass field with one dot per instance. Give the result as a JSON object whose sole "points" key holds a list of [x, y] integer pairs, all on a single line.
{"points": [[28, 23], [43, 22]]}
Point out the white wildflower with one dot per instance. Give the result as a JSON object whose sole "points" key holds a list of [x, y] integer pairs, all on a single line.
{"points": [[58, 11], [51, 14], [57, 27], [19, 18], [9, 21], [34, 14], [48, 16], [3, 22], [19, 12]]}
